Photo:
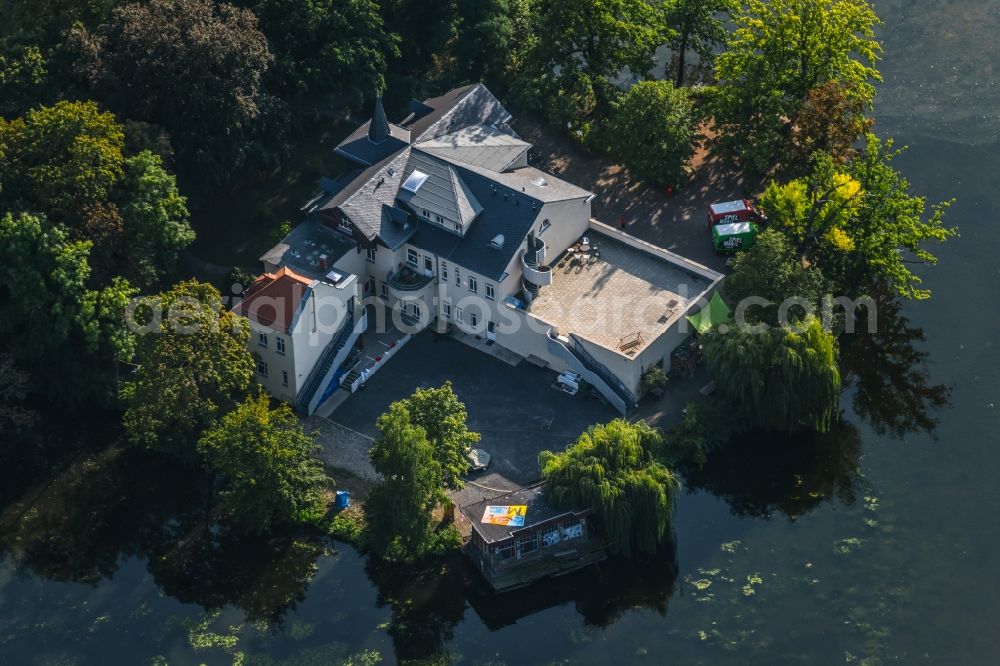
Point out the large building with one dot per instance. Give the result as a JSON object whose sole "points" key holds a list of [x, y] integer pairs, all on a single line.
{"points": [[444, 221]]}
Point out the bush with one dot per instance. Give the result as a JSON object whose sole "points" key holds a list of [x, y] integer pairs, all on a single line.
{"points": [[348, 526], [654, 381]]}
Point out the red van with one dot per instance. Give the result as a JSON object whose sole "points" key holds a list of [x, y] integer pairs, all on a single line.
{"points": [[729, 212]]}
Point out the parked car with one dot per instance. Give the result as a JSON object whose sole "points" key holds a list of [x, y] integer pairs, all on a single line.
{"points": [[728, 212], [729, 238]]}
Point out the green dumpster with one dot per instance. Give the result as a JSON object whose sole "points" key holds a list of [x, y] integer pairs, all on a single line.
{"points": [[735, 236]]}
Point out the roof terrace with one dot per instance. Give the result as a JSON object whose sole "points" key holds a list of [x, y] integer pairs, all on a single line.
{"points": [[618, 296], [310, 249]]}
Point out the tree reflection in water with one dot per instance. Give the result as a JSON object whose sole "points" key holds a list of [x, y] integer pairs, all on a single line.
{"points": [[889, 377], [104, 506], [761, 473]]}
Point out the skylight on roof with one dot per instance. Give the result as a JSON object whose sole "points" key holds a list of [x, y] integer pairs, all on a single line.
{"points": [[414, 181]]}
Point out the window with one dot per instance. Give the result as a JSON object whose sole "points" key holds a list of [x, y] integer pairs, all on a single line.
{"points": [[572, 529], [370, 285], [284, 378], [439, 219], [411, 256], [262, 339], [528, 543], [490, 293], [279, 344], [473, 319], [444, 270], [550, 536], [261, 368], [383, 289], [506, 551], [344, 225], [427, 215], [458, 277], [473, 284], [428, 264], [458, 227], [458, 315], [370, 254], [543, 226], [446, 310]]}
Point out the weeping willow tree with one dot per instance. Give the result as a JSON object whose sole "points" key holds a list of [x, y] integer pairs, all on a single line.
{"points": [[781, 378], [612, 469]]}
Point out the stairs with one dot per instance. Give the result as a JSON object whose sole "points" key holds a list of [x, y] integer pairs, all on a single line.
{"points": [[324, 364]]}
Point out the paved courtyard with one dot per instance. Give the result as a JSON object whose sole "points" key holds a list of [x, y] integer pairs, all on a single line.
{"points": [[514, 408]]}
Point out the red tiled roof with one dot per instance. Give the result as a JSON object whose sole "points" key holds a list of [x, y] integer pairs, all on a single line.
{"points": [[274, 298]]}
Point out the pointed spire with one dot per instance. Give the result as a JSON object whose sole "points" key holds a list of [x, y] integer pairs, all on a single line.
{"points": [[378, 130]]}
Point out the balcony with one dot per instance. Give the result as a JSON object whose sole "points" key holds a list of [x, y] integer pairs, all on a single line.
{"points": [[408, 283], [533, 270]]}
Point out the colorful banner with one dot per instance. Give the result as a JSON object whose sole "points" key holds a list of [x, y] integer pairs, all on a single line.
{"points": [[512, 516]]}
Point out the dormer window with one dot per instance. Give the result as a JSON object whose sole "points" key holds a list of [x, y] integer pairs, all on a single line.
{"points": [[543, 226], [497, 242], [426, 214]]}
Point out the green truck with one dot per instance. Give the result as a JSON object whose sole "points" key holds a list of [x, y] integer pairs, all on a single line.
{"points": [[735, 236]]}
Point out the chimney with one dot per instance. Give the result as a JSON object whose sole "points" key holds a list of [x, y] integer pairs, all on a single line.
{"points": [[323, 262]]}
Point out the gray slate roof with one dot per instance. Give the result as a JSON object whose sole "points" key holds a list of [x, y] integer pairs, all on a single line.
{"points": [[504, 212], [443, 193], [458, 108], [369, 143], [478, 145]]}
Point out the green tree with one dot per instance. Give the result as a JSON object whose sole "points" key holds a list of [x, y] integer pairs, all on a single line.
{"points": [[779, 52], [579, 47], [67, 161], [831, 119], [654, 131], [699, 26], [443, 417], [63, 329], [271, 472], [326, 46], [194, 67], [193, 362], [58, 159], [773, 270], [859, 223], [22, 72], [613, 468], [485, 39], [155, 218], [398, 508], [780, 378]]}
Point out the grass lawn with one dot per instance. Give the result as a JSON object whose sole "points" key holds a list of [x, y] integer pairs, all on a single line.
{"points": [[235, 226]]}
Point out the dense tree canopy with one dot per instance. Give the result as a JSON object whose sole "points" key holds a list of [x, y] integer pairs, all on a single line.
{"points": [[193, 361], [398, 508], [67, 161], [443, 417], [859, 222], [654, 131], [325, 46], [831, 119], [780, 51], [699, 26], [613, 469], [780, 378], [59, 159], [61, 327], [579, 47], [271, 473], [196, 67], [773, 270]]}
